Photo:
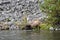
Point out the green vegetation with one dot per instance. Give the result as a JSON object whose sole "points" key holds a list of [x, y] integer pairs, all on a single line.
{"points": [[24, 22], [45, 26], [52, 9]]}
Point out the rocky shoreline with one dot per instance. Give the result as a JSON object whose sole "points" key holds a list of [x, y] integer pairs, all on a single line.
{"points": [[13, 11]]}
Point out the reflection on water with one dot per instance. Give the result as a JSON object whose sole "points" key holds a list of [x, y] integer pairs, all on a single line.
{"points": [[29, 35]]}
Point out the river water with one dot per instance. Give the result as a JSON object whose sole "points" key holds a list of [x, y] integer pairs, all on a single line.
{"points": [[29, 35]]}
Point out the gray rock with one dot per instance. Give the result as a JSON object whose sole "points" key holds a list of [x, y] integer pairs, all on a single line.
{"points": [[16, 9]]}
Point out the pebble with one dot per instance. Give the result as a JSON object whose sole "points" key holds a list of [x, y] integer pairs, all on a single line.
{"points": [[15, 9]]}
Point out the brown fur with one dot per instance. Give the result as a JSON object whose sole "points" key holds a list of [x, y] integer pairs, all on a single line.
{"points": [[35, 23]]}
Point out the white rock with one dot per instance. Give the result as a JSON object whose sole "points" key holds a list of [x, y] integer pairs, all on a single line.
{"points": [[51, 28]]}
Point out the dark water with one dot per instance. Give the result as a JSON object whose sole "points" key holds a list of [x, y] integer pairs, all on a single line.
{"points": [[29, 35]]}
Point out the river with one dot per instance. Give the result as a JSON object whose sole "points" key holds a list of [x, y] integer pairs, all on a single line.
{"points": [[29, 35]]}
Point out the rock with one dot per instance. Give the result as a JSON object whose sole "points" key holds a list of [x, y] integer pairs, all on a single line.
{"points": [[1, 9], [4, 3], [0, 27], [13, 27], [16, 9], [51, 28], [4, 27]]}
